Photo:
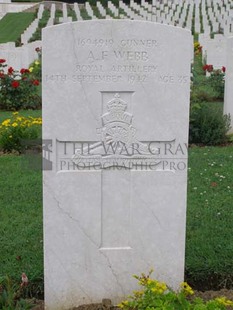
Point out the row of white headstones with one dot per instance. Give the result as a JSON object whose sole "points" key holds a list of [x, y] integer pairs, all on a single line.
{"points": [[215, 50], [179, 13], [176, 12], [173, 13], [210, 15]]}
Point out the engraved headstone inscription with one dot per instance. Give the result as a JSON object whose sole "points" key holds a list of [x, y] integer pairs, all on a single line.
{"points": [[115, 108]]}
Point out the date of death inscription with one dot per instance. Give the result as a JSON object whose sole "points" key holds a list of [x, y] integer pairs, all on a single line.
{"points": [[131, 78]]}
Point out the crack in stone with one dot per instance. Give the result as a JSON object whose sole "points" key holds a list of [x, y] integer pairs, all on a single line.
{"points": [[89, 238], [113, 272], [73, 219]]}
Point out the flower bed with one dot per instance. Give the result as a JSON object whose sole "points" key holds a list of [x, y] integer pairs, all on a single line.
{"points": [[15, 131], [18, 89]]}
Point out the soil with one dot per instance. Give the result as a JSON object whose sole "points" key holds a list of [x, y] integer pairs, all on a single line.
{"points": [[107, 305]]}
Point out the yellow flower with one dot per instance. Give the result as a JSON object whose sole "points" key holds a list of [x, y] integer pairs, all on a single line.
{"points": [[19, 119], [186, 288], [14, 125], [6, 122], [159, 287], [138, 293], [37, 62], [31, 69], [224, 301], [123, 304], [15, 113], [10, 136]]}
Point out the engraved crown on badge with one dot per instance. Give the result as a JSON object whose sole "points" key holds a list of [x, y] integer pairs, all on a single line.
{"points": [[117, 104], [116, 111]]}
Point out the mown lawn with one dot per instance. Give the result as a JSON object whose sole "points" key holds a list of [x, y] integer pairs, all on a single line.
{"points": [[21, 236], [12, 25], [209, 247]]}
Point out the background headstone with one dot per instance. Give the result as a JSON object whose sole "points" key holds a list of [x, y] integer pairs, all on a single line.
{"points": [[228, 97]]}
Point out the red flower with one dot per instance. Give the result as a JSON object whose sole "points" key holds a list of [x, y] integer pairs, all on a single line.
{"points": [[15, 84], [2, 61], [35, 82], [2, 75], [23, 71], [205, 67], [223, 69], [208, 68], [10, 70]]}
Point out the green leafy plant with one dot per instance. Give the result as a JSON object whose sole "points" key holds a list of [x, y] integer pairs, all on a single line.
{"points": [[206, 88], [18, 90], [14, 131], [35, 70], [208, 125], [10, 296], [217, 81], [156, 295]]}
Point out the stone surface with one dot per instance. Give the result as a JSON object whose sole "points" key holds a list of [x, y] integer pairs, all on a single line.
{"points": [[228, 103], [7, 46], [115, 108], [216, 51], [19, 57], [14, 7]]}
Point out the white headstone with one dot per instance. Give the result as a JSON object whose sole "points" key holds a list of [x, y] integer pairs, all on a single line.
{"points": [[77, 11], [7, 46], [228, 102], [115, 106], [216, 51], [13, 57], [40, 11]]}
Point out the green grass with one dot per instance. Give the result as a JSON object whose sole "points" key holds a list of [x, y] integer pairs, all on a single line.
{"points": [[97, 12], [58, 13], [21, 234], [84, 14], [71, 13], [209, 247], [21, 221], [12, 25], [42, 23]]}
